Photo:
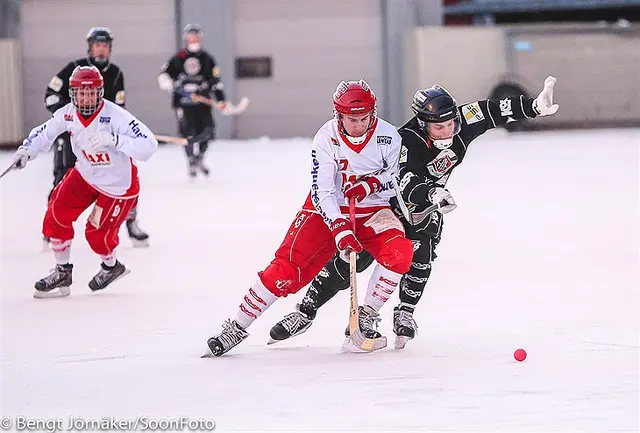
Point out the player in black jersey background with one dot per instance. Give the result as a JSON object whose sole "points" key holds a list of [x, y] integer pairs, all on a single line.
{"points": [[189, 74]]}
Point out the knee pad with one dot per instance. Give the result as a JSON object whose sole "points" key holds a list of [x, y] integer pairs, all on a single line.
{"points": [[280, 277], [397, 255]]}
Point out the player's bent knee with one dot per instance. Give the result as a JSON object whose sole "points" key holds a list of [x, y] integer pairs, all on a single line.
{"points": [[100, 242], [207, 133], [280, 277], [53, 227], [397, 255]]}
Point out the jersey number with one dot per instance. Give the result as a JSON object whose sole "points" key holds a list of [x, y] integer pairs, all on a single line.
{"points": [[346, 178]]}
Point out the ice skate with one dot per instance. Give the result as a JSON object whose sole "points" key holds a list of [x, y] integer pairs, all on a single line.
{"points": [[200, 164], [192, 170], [293, 324], [107, 275], [57, 284], [368, 319], [232, 334], [404, 326], [139, 239]]}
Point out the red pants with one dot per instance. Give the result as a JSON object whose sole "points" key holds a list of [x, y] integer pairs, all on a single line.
{"points": [[309, 245], [74, 195]]}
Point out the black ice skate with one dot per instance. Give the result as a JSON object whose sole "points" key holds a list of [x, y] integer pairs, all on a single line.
{"points": [[404, 326], [107, 275], [232, 334], [200, 164], [138, 237], [57, 284], [368, 319], [293, 324]]}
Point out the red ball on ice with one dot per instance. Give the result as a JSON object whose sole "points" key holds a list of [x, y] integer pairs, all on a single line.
{"points": [[520, 355]]}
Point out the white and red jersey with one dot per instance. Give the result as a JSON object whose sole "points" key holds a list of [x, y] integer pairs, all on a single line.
{"points": [[335, 161], [111, 171]]}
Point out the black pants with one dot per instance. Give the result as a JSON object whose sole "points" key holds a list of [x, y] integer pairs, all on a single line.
{"points": [[425, 242], [196, 122]]}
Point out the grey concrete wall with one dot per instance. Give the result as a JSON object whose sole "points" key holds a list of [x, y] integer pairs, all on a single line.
{"points": [[9, 19], [397, 17], [596, 67], [215, 18], [314, 45], [53, 32]]}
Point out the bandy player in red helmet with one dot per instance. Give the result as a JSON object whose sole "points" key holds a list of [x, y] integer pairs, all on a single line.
{"points": [[354, 156], [106, 140]]}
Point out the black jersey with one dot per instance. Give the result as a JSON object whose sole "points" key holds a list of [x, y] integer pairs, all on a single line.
{"points": [[57, 93], [194, 73], [424, 166]]}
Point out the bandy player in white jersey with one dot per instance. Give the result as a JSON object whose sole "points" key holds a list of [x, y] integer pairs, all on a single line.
{"points": [[354, 156], [106, 140]]}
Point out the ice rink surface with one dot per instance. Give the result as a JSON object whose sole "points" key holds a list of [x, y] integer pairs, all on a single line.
{"points": [[541, 253]]}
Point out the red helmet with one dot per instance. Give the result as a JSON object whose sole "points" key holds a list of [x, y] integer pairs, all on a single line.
{"points": [[83, 78], [354, 97]]}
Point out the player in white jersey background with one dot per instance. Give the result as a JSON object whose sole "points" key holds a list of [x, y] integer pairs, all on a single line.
{"points": [[106, 139], [99, 50], [355, 155]]}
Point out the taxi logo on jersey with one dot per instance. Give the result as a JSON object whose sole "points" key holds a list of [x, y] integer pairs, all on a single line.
{"points": [[97, 159]]}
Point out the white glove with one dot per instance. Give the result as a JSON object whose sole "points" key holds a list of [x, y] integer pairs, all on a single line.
{"points": [[102, 141], [442, 197], [165, 82], [543, 104], [21, 157]]}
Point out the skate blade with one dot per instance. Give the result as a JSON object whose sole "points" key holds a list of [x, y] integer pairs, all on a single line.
{"points": [[400, 342], [59, 292], [136, 243], [357, 343]]}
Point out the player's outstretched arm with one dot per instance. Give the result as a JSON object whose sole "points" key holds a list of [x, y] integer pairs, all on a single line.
{"points": [[480, 116]]}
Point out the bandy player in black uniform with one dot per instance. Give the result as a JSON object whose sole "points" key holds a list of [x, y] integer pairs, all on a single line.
{"points": [[190, 73], [435, 141], [100, 41]]}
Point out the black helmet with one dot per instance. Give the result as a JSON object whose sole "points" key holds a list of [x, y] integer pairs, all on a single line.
{"points": [[435, 105], [99, 34]]}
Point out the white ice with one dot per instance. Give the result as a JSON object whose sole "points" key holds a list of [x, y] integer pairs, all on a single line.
{"points": [[541, 253]]}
